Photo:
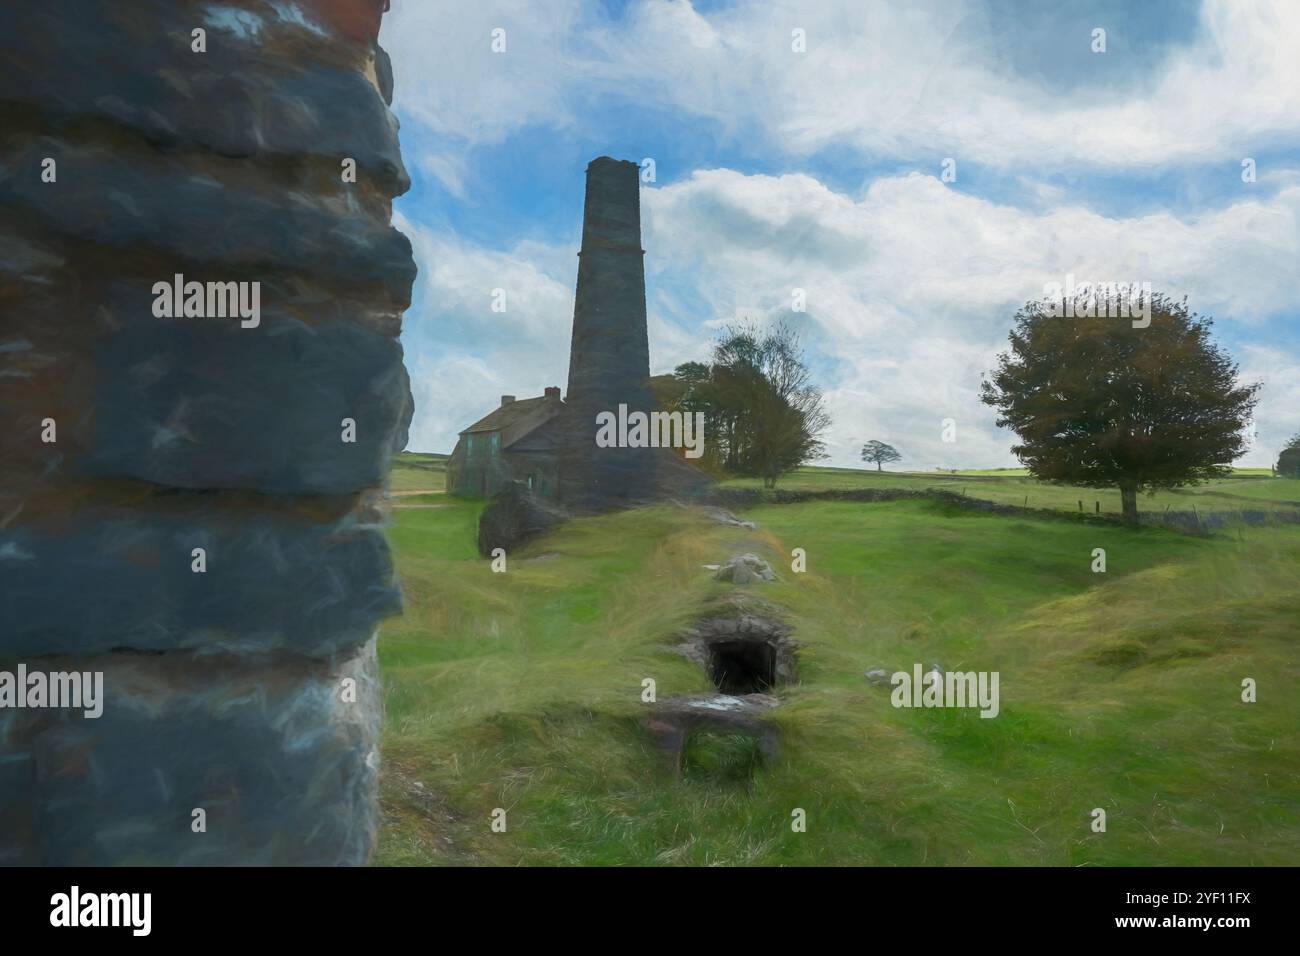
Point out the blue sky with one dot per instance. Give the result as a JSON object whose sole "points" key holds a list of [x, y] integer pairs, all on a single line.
{"points": [[820, 169]]}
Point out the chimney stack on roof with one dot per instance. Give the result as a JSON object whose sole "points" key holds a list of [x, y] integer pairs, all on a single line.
{"points": [[553, 392], [507, 399]]}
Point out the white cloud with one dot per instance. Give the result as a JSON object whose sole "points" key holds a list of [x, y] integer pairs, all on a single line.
{"points": [[447, 77], [912, 287], [898, 80], [911, 284], [910, 293], [463, 356], [449, 169], [1277, 416]]}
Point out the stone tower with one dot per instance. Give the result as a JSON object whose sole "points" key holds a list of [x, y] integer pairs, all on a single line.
{"points": [[609, 359]]}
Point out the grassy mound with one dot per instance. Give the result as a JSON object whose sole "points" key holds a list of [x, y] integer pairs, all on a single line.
{"points": [[522, 691]]}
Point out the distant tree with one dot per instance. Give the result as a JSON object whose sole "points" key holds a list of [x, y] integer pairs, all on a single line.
{"points": [[1099, 403], [879, 452], [1288, 462], [763, 415], [693, 379]]}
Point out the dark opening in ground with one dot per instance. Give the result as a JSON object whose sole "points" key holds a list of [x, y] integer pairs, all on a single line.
{"points": [[742, 667]]}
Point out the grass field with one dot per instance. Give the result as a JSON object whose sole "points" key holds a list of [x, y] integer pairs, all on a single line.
{"points": [[413, 471], [1013, 487], [1120, 690]]}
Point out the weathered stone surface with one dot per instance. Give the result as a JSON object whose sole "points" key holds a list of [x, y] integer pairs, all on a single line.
{"points": [[123, 578], [237, 224], [208, 405], [271, 84], [609, 358], [723, 516], [224, 688], [671, 721], [283, 766], [744, 569], [515, 515]]}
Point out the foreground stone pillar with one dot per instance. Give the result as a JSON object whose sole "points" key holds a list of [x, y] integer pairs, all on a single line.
{"points": [[184, 507]]}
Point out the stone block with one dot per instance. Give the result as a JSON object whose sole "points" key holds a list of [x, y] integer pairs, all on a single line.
{"points": [[123, 578], [269, 83], [284, 767]]}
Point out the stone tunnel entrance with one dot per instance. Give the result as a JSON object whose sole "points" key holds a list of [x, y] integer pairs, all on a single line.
{"points": [[748, 654], [742, 666], [743, 647]]}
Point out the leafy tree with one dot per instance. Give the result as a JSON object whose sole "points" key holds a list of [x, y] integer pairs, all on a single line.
{"points": [[879, 452], [1099, 403], [1288, 462], [763, 414]]}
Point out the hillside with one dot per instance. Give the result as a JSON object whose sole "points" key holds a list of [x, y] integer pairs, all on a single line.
{"points": [[1245, 490], [418, 472], [1119, 690]]}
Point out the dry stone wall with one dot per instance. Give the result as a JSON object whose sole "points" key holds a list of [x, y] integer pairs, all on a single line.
{"points": [[186, 504]]}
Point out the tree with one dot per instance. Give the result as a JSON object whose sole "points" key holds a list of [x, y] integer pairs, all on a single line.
{"points": [[1288, 462], [763, 414], [1099, 403], [879, 452]]}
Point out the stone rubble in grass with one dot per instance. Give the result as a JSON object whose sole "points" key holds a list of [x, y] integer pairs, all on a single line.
{"points": [[722, 516], [883, 678], [744, 568]]}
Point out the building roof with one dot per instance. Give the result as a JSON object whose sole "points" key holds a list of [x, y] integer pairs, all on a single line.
{"points": [[518, 418]]}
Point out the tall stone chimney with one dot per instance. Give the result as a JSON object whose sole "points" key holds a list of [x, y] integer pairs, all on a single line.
{"points": [[609, 358]]}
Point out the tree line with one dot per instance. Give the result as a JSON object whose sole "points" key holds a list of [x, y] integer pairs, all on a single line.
{"points": [[1094, 400], [764, 414]]}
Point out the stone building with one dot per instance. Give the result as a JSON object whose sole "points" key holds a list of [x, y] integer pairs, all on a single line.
{"points": [[550, 445], [519, 441]]}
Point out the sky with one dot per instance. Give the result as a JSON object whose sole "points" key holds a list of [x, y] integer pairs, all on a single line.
{"points": [[803, 145]]}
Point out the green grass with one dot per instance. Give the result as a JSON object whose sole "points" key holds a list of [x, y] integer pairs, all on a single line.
{"points": [[1119, 690], [1013, 487], [711, 756], [1024, 472], [416, 471]]}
